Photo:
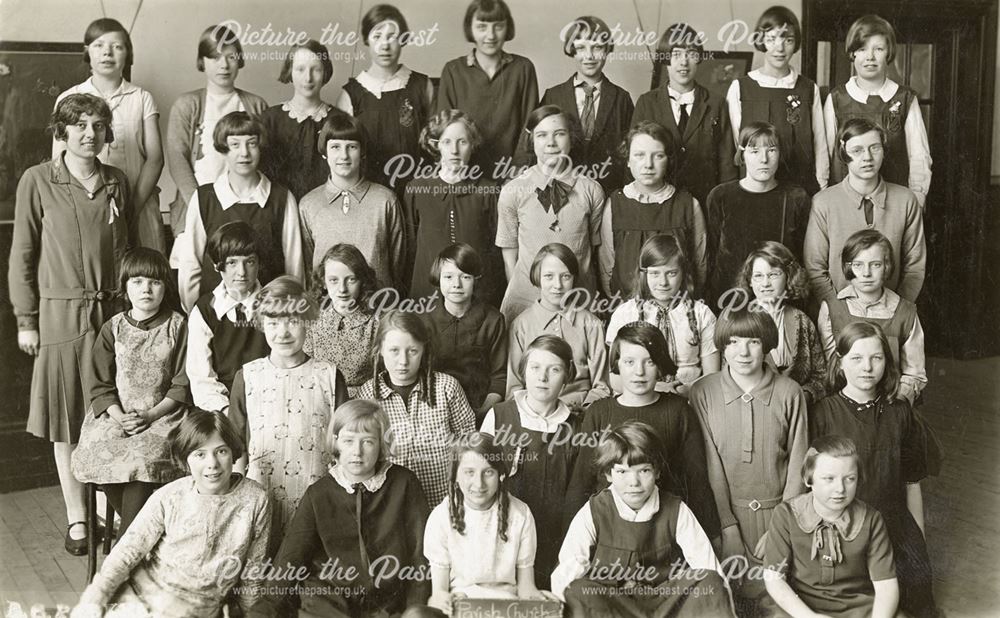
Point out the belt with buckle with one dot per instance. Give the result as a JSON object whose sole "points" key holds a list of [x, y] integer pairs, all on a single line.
{"points": [[75, 294], [755, 504]]}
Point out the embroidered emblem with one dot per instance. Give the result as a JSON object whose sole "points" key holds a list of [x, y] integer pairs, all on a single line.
{"points": [[793, 111], [406, 113], [894, 122]]}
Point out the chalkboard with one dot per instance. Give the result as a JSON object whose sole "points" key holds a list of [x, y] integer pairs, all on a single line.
{"points": [[505, 608]]}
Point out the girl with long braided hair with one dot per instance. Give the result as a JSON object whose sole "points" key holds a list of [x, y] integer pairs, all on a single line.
{"points": [[665, 298], [480, 540]]}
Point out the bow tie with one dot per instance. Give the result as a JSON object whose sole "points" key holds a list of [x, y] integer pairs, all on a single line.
{"points": [[553, 197]]}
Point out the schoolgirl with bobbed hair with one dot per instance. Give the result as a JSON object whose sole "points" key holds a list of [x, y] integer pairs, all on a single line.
{"points": [[776, 283], [363, 512], [470, 336], [755, 426], [139, 390], [281, 404]]}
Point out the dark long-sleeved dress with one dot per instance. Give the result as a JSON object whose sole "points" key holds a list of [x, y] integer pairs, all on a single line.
{"points": [[291, 157], [684, 448], [370, 528], [739, 220], [896, 448], [439, 214]]}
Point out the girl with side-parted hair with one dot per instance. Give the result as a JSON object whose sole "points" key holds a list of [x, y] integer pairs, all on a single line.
{"points": [[664, 292], [139, 392], [190, 155], [759, 207], [427, 408], [775, 281], [177, 557], [364, 514], [64, 266], [457, 205], [550, 202], [871, 94], [897, 450], [136, 151], [281, 404], [343, 334], [290, 157], [825, 531]]}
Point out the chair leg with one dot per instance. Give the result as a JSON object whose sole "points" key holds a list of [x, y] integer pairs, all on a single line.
{"points": [[109, 527], [91, 531]]}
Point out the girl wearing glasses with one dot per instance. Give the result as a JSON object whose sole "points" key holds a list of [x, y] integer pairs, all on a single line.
{"points": [[744, 213], [868, 263], [776, 282]]}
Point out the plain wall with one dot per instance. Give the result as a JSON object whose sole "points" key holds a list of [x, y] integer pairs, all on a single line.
{"points": [[166, 32]]}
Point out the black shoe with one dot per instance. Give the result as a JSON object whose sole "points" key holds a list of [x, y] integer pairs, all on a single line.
{"points": [[76, 547]]}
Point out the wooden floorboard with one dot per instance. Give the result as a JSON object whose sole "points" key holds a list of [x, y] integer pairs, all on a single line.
{"points": [[962, 506]]}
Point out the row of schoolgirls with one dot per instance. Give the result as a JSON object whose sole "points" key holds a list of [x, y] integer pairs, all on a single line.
{"points": [[624, 509], [75, 217]]}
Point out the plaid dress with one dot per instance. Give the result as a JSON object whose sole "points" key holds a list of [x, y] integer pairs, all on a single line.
{"points": [[423, 433]]}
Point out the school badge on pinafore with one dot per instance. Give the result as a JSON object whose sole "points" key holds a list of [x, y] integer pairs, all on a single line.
{"points": [[792, 112], [406, 113], [894, 119]]}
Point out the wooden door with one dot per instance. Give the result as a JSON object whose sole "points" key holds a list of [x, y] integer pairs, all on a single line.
{"points": [[946, 52]]}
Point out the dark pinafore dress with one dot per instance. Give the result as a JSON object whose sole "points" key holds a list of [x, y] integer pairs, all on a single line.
{"points": [[267, 223], [539, 475], [647, 556], [392, 125], [891, 116], [790, 111], [634, 223]]}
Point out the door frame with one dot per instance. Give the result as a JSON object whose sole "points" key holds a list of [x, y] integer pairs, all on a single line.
{"points": [[957, 304]]}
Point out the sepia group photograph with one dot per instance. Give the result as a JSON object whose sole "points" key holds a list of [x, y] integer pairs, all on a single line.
{"points": [[499, 308]]}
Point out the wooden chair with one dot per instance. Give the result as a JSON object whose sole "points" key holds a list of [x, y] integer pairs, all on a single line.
{"points": [[109, 524]]}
